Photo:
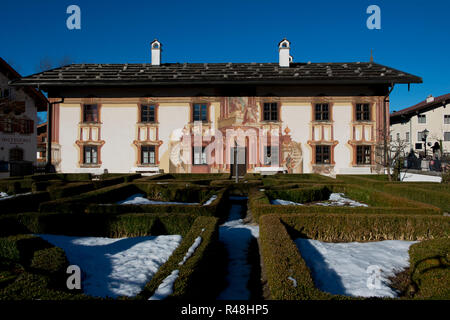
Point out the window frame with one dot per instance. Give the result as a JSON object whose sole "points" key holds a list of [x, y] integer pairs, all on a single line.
{"points": [[321, 112], [193, 112], [321, 154], [203, 158], [273, 150], [446, 118], [151, 155], [361, 155], [421, 116], [92, 147], [362, 114], [148, 113], [448, 134], [273, 109], [95, 116]]}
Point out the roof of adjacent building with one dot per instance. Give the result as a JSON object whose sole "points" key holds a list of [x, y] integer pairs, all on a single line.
{"points": [[422, 107], [218, 73], [12, 75]]}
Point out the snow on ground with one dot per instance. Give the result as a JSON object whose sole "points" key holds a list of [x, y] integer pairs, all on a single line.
{"points": [[335, 200], [412, 177], [140, 198], [4, 195], [351, 268], [165, 289], [116, 267], [236, 237]]}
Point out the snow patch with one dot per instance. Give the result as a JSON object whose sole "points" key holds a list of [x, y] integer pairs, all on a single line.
{"points": [[210, 200], [139, 198], [335, 200], [346, 268], [116, 267], [294, 282], [4, 195], [165, 289], [412, 177], [191, 250]]}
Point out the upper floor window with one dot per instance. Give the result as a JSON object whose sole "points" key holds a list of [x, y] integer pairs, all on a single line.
{"points": [[148, 113], [322, 154], [398, 136], [362, 112], [270, 111], [90, 113], [363, 154], [148, 155], [322, 112], [422, 118], [90, 155], [447, 118], [200, 112], [15, 154], [5, 93], [407, 136]]}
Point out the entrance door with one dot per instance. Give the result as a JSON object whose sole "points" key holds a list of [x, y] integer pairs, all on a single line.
{"points": [[241, 161]]}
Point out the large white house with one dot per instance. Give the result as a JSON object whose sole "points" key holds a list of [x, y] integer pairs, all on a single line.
{"points": [[431, 115], [18, 119], [199, 117]]}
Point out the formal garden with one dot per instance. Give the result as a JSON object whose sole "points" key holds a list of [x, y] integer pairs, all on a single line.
{"points": [[203, 237]]}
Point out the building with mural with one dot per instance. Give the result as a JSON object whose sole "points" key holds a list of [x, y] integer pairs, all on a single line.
{"points": [[296, 117], [18, 118]]}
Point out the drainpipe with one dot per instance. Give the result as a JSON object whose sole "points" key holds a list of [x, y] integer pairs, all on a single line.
{"points": [[49, 168], [385, 127]]}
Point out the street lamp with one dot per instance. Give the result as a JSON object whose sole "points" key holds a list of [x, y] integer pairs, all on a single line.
{"points": [[425, 136]]}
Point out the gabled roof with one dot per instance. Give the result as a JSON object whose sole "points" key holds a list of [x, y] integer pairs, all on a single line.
{"points": [[421, 107], [144, 74], [12, 75]]}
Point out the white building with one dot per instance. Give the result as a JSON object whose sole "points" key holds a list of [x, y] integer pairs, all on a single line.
{"points": [[432, 115], [284, 116], [18, 119]]}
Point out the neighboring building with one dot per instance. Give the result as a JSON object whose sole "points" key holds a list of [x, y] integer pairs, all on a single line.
{"points": [[195, 117], [42, 144], [433, 115], [18, 117]]}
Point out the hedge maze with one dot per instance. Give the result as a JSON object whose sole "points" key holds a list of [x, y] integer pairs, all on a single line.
{"points": [[78, 205]]}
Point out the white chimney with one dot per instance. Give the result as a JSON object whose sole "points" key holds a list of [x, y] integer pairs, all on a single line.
{"points": [[156, 52], [283, 48], [430, 98]]}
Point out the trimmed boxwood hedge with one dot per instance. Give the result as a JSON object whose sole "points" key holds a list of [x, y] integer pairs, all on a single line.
{"points": [[282, 258], [430, 269], [23, 203], [195, 275], [21, 248]]}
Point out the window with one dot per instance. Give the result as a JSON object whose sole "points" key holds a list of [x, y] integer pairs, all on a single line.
{"points": [[90, 154], [363, 155], [199, 155], [15, 154], [271, 155], [420, 136], [147, 113], [90, 113], [322, 154], [418, 146], [422, 118], [362, 112], [398, 136], [447, 118], [5, 93], [407, 136], [270, 111], [447, 136], [321, 111], [200, 112], [148, 155]]}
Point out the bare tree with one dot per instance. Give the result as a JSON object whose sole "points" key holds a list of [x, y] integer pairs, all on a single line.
{"points": [[389, 153]]}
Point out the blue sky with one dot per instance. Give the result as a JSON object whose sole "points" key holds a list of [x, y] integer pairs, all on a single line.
{"points": [[414, 35]]}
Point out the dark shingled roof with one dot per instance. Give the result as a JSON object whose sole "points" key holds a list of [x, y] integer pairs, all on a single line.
{"points": [[217, 73], [422, 106]]}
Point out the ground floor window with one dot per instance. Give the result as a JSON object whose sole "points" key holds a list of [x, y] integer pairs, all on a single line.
{"points": [[15, 154], [199, 155], [90, 155], [322, 154], [418, 146], [363, 154], [148, 155], [271, 155]]}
